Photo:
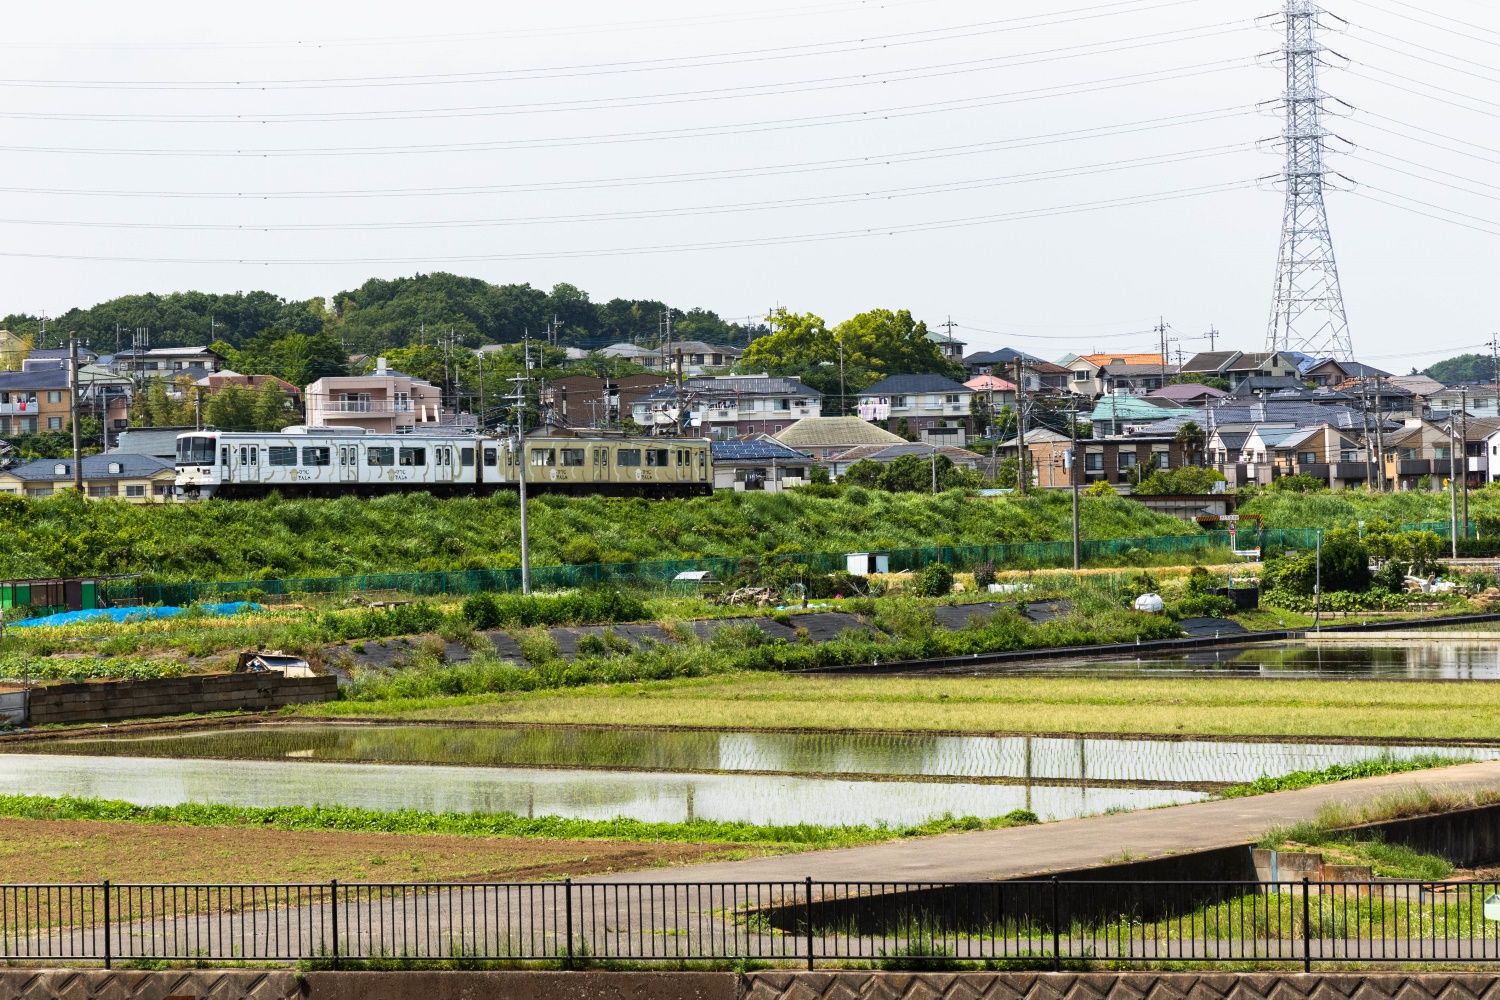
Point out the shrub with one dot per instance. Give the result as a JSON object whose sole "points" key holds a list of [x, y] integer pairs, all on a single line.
{"points": [[482, 612], [984, 575], [580, 550], [935, 580]]}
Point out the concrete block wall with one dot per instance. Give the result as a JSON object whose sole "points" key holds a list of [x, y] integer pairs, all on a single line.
{"points": [[108, 701]]}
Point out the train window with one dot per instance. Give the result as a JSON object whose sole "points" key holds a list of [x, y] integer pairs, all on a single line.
{"points": [[572, 457], [702, 459], [630, 457], [224, 456], [543, 456], [656, 457], [195, 451], [283, 455], [466, 457], [490, 457], [413, 456], [249, 456], [317, 456], [380, 457]]}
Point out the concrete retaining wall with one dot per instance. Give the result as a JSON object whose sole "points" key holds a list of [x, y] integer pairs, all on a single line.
{"points": [[107, 701], [24, 984]]}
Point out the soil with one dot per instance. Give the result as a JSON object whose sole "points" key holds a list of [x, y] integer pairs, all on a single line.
{"points": [[90, 851]]}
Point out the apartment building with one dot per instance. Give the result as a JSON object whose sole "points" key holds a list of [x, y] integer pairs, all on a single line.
{"points": [[931, 406], [384, 402], [726, 407]]}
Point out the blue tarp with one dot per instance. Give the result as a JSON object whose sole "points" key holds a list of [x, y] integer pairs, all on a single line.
{"points": [[132, 614]]}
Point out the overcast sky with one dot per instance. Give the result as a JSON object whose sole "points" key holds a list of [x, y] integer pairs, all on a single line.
{"points": [[1053, 174]]}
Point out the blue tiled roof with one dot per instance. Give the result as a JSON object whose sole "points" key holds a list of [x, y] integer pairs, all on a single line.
{"points": [[897, 384], [757, 450]]}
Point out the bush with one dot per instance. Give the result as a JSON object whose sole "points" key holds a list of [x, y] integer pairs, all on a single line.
{"points": [[1203, 606], [984, 575], [580, 550], [935, 580]]}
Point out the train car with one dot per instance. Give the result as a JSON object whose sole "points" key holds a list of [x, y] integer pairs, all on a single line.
{"points": [[320, 461]]}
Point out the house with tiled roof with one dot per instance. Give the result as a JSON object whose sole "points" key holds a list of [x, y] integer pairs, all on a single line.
{"points": [[933, 407], [1087, 373], [759, 463], [824, 437], [1235, 367], [885, 454], [113, 475], [727, 407]]}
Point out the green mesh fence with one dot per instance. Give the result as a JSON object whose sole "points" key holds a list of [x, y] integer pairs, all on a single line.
{"points": [[1010, 555]]}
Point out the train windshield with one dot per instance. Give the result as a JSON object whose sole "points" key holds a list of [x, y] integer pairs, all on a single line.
{"points": [[195, 450]]}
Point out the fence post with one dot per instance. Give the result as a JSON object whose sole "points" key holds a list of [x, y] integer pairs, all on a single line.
{"points": [[1306, 925], [334, 904], [809, 924], [568, 919], [1056, 927], [108, 955]]}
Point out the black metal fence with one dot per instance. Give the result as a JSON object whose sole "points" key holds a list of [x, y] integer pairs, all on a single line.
{"points": [[1048, 924]]}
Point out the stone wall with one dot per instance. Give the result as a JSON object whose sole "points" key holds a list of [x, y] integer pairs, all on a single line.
{"points": [[31, 984], [109, 701]]}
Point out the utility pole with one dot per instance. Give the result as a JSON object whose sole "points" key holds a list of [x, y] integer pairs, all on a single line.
{"points": [[1073, 482], [1021, 477], [1495, 359], [843, 399], [1369, 442], [934, 468], [1453, 485], [1379, 437], [1463, 442], [73, 406], [1161, 330], [521, 381], [1318, 582], [1213, 337]]}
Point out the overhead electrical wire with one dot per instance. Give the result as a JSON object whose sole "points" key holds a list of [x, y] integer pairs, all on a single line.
{"points": [[811, 85], [1466, 34], [810, 201], [1428, 142], [872, 160], [712, 60], [741, 128], [791, 239]]}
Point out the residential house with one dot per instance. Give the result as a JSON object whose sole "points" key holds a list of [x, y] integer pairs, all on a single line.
{"points": [[1478, 433], [995, 390], [1265, 385], [167, 362], [36, 398], [1330, 372], [1036, 375], [1123, 378], [591, 401], [135, 478], [934, 407], [1418, 452], [885, 454], [1113, 415], [212, 384], [1321, 451], [825, 437], [634, 353], [1049, 455], [384, 402], [684, 358], [726, 407], [1235, 367], [948, 345], [761, 463], [1384, 396], [1420, 387], [1186, 394], [1088, 377], [1475, 400], [1117, 461]]}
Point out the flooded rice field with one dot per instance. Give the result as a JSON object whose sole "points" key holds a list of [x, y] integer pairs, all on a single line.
{"points": [[1438, 658], [661, 775]]}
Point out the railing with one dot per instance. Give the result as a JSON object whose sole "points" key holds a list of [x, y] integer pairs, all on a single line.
{"points": [[1042, 924]]}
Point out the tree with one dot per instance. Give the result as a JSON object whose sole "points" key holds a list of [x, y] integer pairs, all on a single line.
{"points": [[1464, 368], [1193, 441], [271, 408], [1192, 480], [866, 472], [232, 408], [891, 343]]}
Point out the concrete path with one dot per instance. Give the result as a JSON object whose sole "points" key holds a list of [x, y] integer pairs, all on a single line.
{"points": [[1068, 845]]}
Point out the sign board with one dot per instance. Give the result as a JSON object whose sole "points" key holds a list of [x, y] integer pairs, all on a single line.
{"points": [[1492, 907]]}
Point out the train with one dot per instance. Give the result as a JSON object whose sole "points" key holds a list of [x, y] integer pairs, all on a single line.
{"points": [[336, 461]]}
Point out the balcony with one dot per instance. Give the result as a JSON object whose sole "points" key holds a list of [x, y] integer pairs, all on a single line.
{"points": [[1317, 470], [379, 407], [1347, 471], [1414, 467], [27, 409]]}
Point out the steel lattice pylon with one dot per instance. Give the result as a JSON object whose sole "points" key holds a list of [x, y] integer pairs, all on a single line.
{"points": [[1308, 311]]}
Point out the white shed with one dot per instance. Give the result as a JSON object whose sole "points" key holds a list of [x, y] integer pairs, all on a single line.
{"points": [[868, 563]]}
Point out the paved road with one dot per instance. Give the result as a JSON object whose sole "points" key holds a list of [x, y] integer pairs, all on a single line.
{"points": [[1069, 845]]}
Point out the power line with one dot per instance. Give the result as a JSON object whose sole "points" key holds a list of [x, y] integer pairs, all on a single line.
{"points": [[731, 173], [741, 128], [811, 201], [1429, 97], [661, 99], [712, 60], [1470, 26], [863, 233]]}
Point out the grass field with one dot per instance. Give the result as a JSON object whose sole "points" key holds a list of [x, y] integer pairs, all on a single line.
{"points": [[1354, 709]]}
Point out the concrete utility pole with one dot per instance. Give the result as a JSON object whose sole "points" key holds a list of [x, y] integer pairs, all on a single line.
{"points": [[73, 409], [1073, 482], [521, 381], [1021, 477], [1379, 437], [1453, 485], [1463, 442]]}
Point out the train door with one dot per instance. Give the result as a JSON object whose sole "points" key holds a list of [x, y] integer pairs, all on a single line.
{"points": [[349, 463], [601, 464], [684, 464], [702, 463], [247, 463]]}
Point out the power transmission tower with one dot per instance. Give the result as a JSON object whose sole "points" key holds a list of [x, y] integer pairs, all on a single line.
{"points": [[1308, 311]]}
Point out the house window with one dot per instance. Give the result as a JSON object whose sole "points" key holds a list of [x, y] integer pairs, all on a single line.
{"points": [[164, 489], [898, 402], [1082, 376], [951, 399], [783, 404], [382, 457], [283, 455], [137, 490], [412, 456], [1307, 458], [317, 456], [106, 490], [1128, 460], [1093, 461], [54, 423], [54, 397]]}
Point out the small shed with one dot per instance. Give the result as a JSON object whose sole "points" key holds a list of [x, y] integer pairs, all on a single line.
{"points": [[699, 581], [868, 563], [274, 662], [47, 596]]}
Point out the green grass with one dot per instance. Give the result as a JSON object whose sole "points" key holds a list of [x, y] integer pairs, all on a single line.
{"points": [[349, 819], [1356, 709], [1373, 768]]}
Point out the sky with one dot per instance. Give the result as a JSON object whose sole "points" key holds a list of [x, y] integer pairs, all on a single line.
{"points": [[1058, 175]]}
